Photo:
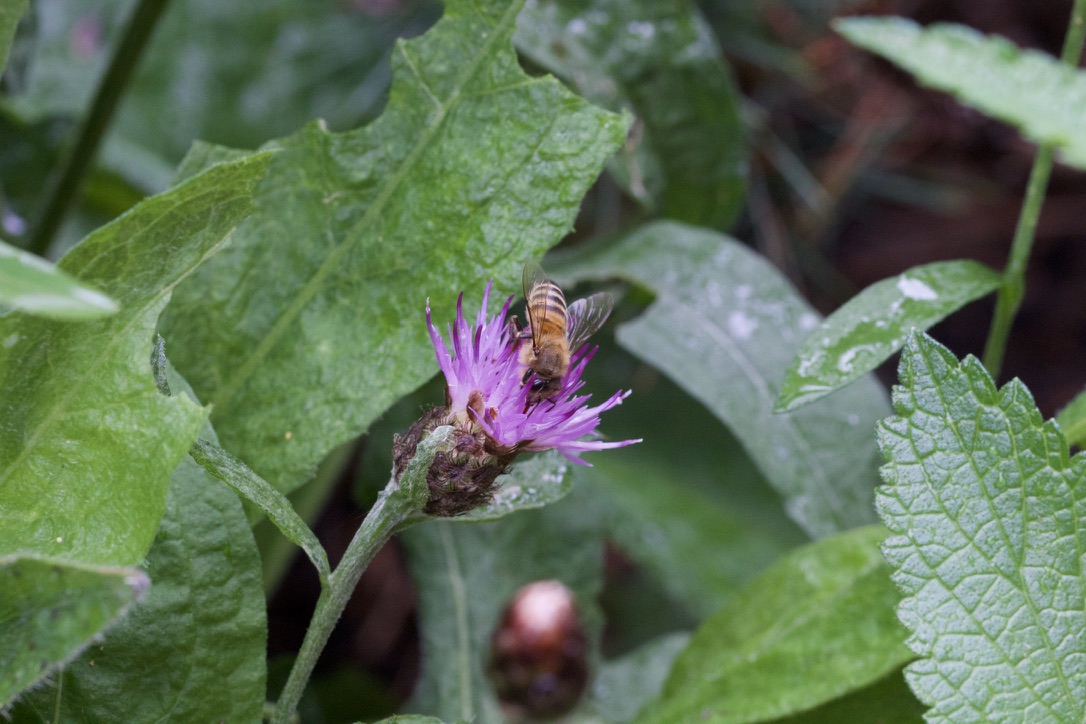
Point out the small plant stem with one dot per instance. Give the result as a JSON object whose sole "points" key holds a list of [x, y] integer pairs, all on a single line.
{"points": [[64, 185], [395, 505], [1012, 290]]}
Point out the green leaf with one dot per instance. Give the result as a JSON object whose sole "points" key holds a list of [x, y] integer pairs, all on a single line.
{"points": [[989, 515], [626, 684], [533, 483], [873, 325], [10, 13], [1045, 99], [888, 701], [687, 152], [724, 326], [312, 324], [33, 285], [251, 486], [467, 574], [89, 443], [830, 602], [195, 649], [1072, 420], [51, 609]]}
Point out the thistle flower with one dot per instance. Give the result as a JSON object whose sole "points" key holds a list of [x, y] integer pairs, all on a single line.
{"points": [[486, 401]]}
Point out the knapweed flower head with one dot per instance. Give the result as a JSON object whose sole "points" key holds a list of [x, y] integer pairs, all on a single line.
{"points": [[487, 403]]}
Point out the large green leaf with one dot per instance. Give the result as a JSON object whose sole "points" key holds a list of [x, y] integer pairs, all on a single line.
{"points": [[195, 649], [873, 325], [1045, 99], [725, 326], [89, 443], [466, 574], [687, 153], [818, 624], [1072, 420], [51, 609], [887, 701], [10, 12], [626, 684], [990, 517], [312, 324], [30, 284]]}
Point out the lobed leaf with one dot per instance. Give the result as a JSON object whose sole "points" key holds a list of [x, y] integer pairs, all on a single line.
{"points": [[1033, 91], [31, 284], [467, 574], [88, 442], [724, 326], [830, 602], [312, 324], [687, 153], [1072, 420], [988, 512], [51, 609], [873, 325]]}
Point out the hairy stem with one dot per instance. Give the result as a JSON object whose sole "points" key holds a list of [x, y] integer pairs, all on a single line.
{"points": [[1014, 284], [65, 183]]}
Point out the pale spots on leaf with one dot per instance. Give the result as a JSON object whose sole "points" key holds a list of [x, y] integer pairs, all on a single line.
{"points": [[741, 325], [11, 340], [916, 289]]}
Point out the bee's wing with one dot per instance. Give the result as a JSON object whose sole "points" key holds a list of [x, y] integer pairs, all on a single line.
{"points": [[586, 316], [533, 277]]}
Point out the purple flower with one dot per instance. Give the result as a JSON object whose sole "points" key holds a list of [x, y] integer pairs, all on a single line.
{"points": [[486, 402], [484, 382]]}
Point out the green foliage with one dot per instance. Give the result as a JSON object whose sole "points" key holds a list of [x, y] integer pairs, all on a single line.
{"points": [[10, 13], [89, 442], [30, 284], [1044, 98], [1072, 420], [873, 325], [725, 325], [540, 480], [987, 509], [472, 168], [626, 684], [51, 609], [686, 155], [830, 602]]}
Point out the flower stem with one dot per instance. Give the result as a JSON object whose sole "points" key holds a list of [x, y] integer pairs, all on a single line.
{"points": [[65, 183], [396, 504], [1012, 290]]}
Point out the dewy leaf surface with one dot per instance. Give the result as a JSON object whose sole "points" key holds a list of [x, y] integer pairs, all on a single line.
{"points": [[818, 624], [31, 284], [311, 325], [1045, 99], [51, 609], [873, 325], [88, 443], [725, 326], [195, 649], [687, 154], [990, 520], [466, 575]]}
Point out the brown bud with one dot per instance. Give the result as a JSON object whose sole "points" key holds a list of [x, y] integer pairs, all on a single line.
{"points": [[539, 652]]}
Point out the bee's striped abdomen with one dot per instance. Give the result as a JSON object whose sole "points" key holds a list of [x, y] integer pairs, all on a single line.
{"points": [[548, 310]]}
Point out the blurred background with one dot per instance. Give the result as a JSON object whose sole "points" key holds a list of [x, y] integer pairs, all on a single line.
{"points": [[851, 173]]}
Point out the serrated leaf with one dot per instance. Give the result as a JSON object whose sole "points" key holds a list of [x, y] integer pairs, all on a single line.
{"points": [[989, 515], [1072, 420], [533, 483], [51, 609], [195, 649], [88, 442], [687, 154], [227, 468], [873, 325], [625, 684], [10, 13], [830, 602], [1045, 99], [467, 574], [312, 325], [724, 326], [31, 284]]}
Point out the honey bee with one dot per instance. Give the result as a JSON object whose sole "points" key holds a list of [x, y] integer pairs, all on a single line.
{"points": [[554, 331]]}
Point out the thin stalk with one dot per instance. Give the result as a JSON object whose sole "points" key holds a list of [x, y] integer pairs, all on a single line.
{"points": [[395, 508], [65, 183], [1011, 292]]}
